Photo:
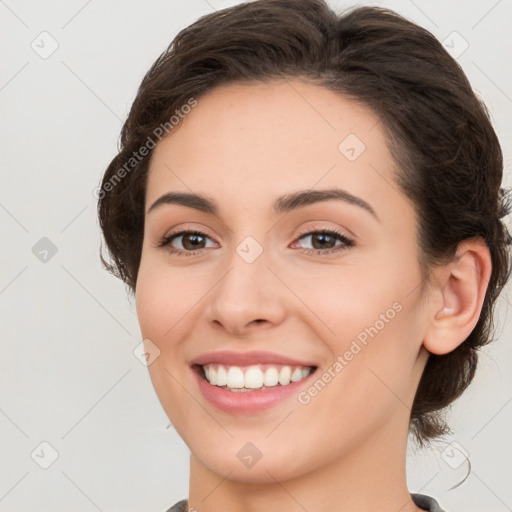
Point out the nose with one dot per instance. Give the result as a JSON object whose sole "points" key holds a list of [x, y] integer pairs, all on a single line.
{"points": [[248, 296]]}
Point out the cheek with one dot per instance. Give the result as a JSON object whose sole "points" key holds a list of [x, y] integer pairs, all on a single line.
{"points": [[379, 361], [164, 298], [371, 320], [370, 379], [349, 300]]}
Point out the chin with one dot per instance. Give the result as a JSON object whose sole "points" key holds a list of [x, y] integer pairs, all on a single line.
{"points": [[261, 472]]}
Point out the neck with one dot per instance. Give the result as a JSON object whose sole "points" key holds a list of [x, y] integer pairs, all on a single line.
{"points": [[371, 476]]}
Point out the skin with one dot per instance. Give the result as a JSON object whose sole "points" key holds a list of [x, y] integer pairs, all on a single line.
{"points": [[244, 145]]}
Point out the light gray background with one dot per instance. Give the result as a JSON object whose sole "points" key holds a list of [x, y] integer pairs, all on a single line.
{"points": [[69, 376]]}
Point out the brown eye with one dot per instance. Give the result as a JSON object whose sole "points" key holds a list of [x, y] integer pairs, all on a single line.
{"points": [[326, 240], [323, 241], [191, 242]]}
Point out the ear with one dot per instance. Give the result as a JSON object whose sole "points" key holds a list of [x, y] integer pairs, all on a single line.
{"points": [[460, 291]]}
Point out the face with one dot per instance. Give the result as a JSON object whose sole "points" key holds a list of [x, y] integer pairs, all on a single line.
{"points": [[330, 282]]}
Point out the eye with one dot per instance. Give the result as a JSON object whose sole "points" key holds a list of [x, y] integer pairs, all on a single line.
{"points": [[192, 243], [324, 241]]}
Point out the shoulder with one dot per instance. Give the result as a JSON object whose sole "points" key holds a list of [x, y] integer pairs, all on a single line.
{"points": [[426, 502], [180, 506]]}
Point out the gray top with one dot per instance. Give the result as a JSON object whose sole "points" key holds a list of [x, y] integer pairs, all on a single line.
{"points": [[421, 500]]}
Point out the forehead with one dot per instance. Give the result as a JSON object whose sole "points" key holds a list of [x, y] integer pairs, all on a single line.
{"points": [[244, 143]]}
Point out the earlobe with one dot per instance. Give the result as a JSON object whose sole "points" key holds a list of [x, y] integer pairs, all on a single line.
{"points": [[461, 285]]}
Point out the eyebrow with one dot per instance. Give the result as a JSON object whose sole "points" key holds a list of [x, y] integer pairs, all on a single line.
{"points": [[283, 204]]}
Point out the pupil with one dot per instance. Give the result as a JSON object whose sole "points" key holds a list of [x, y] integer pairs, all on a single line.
{"points": [[323, 237], [193, 239]]}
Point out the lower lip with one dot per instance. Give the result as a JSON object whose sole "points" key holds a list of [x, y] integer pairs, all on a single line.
{"points": [[250, 401]]}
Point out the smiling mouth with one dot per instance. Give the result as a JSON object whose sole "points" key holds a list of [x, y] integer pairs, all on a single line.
{"points": [[256, 377]]}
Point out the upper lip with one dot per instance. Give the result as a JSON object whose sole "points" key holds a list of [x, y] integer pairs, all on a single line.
{"points": [[248, 358]]}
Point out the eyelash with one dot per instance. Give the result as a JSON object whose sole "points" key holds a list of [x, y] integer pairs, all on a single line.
{"points": [[166, 241]]}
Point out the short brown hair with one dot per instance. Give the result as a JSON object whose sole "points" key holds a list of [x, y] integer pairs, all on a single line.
{"points": [[448, 155]]}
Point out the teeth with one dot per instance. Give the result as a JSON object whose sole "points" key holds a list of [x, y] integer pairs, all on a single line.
{"points": [[248, 378], [284, 375], [253, 378], [296, 375], [235, 377], [213, 376], [271, 377], [222, 376]]}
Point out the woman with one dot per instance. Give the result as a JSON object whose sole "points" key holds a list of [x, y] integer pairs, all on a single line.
{"points": [[307, 208]]}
